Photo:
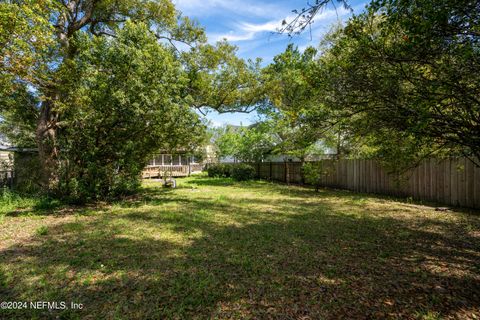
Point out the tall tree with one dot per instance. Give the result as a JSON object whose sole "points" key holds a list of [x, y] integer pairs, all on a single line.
{"points": [[47, 52], [67, 21], [400, 80], [220, 80], [125, 112], [407, 74], [293, 108]]}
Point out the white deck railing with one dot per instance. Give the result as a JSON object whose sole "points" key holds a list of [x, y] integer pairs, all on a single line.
{"points": [[171, 170]]}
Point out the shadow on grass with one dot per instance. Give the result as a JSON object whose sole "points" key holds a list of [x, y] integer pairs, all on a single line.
{"points": [[205, 181], [225, 259], [306, 191], [35, 206]]}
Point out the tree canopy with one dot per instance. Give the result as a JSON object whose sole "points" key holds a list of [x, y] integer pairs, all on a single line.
{"points": [[98, 86], [398, 82]]}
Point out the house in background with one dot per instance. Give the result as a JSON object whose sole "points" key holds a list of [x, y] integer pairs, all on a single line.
{"points": [[17, 166], [172, 160], [6, 166], [181, 164]]}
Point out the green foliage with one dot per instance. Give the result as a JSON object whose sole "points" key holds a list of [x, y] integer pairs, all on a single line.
{"points": [[220, 80], [100, 86], [313, 172], [227, 141], [8, 200], [399, 82], [42, 231], [11, 201], [290, 80], [405, 74], [27, 168], [25, 37], [243, 172], [256, 143], [238, 171], [219, 170], [247, 144], [123, 113]]}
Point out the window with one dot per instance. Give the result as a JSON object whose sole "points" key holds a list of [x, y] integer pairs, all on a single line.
{"points": [[167, 159]]}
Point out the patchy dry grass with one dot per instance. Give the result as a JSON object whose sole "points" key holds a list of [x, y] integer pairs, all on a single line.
{"points": [[217, 249]]}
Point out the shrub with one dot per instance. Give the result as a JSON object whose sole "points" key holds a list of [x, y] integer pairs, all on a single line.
{"points": [[312, 174], [12, 201], [243, 172], [314, 171], [213, 170], [219, 170]]}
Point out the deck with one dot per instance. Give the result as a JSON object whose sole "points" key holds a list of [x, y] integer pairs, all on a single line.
{"points": [[171, 170]]}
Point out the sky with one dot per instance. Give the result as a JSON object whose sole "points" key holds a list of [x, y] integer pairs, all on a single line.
{"points": [[251, 26]]}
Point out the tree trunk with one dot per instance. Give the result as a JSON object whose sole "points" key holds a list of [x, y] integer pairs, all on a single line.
{"points": [[302, 163], [339, 146], [47, 146]]}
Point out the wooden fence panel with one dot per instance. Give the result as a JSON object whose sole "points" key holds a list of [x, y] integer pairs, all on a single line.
{"points": [[454, 181], [368, 176], [470, 184], [461, 189], [296, 172], [440, 189], [476, 187], [264, 170], [432, 173], [279, 172]]}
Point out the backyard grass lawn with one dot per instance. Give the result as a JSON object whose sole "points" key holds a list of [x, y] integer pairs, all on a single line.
{"points": [[214, 248]]}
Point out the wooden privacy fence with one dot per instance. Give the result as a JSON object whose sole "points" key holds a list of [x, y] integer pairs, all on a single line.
{"points": [[453, 181]]}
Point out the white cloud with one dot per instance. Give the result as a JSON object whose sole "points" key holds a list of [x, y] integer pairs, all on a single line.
{"points": [[211, 7], [231, 36], [251, 24], [260, 27], [245, 31]]}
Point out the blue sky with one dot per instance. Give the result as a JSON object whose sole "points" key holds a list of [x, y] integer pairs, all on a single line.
{"points": [[249, 25]]}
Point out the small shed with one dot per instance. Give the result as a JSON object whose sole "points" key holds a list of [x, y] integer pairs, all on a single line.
{"points": [[19, 167]]}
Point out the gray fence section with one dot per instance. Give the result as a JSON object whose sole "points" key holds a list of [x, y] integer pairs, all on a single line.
{"points": [[7, 178]]}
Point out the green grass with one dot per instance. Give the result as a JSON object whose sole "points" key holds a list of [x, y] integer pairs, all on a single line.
{"points": [[10, 201], [214, 248]]}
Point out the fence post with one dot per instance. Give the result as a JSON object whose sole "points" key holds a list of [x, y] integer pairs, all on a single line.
{"points": [[286, 173], [270, 175]]}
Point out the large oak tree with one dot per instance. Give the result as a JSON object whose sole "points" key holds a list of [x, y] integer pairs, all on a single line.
{"points": [[72, 73]]}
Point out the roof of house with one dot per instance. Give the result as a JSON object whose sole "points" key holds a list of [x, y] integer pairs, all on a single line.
{"points": [[16, 149]]}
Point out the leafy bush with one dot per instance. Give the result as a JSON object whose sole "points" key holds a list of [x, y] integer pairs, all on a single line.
{"points": [[243, 172], [11, 201], [314, 171], [219, 170], [214, 170]]}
